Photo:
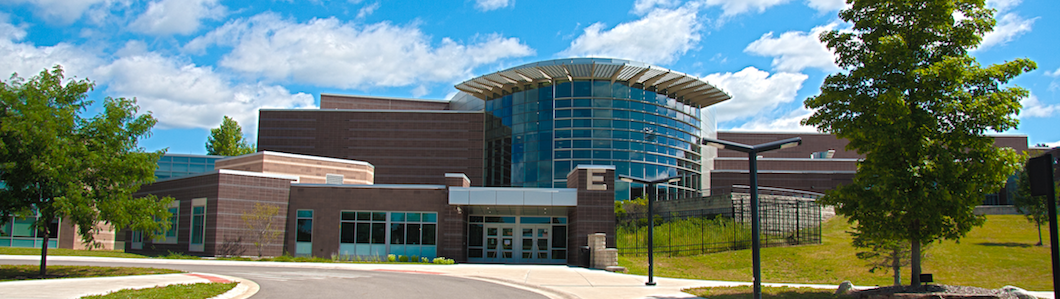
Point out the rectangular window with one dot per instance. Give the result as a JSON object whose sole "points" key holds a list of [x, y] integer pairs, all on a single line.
{"points": [[304, 225], [198, 224]]}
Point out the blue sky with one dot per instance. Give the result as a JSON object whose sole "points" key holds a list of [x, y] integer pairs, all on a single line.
{"points": [[190, 62]]}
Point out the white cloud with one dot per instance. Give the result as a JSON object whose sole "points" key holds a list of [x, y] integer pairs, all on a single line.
{"points": [[735, 7], [754, 91], [367, 10], [177, 16], [488, 5], [328, 52], [790, 122], [641, 7], [794, 51], [1055, 73], [658, 38], [1008, 28], [1002, 5], [65, 11], [1052, 144], [826, 5], [1034, 108], [29, 60], [183, 95]]}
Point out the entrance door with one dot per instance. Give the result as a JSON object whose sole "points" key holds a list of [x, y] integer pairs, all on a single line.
{"points": [[500, 242], [534, 241]]}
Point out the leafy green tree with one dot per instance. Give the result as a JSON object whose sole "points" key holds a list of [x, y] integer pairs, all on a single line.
{"points": [[263, 225], [884, 254], [916, 104], [227, 140], [58, 164], [1033, 207]]}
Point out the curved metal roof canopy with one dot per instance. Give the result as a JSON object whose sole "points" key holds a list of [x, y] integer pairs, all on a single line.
{"points": [[680, 86]]}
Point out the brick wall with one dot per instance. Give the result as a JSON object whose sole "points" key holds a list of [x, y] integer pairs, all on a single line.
{"points": [[595, 212]]}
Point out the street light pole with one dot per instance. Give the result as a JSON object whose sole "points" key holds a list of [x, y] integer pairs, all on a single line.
{"points": [[651, 218], [752, 159]]}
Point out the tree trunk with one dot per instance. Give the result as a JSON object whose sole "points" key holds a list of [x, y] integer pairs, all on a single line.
{"points": [[914, 265], [44, 249], [896, 265], [1039, 234]]}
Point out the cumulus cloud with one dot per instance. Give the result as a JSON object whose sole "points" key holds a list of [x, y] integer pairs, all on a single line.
{"points": [[754, 91], [790, 122], [29, 60], [658, 38], [488, 5], [826, 5], [1008, 28], [66, 11], [177, 16], [367, 10], [794, 51], [331, 53], [735, 7], [183, 95], [1032, 107], [641, 7], [1002, 5]]}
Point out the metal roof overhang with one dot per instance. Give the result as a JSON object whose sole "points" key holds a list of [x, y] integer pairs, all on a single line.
{"points": [[687, 89]]}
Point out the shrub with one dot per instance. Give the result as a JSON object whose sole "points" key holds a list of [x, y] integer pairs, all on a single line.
{"points": [[391, 258], [443, 261], [414, 258], [403, 259], [425, 260]]}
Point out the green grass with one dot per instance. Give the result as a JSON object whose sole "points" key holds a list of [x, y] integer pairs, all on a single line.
{"points": [[189, 291], [68, 252], [22, 272], [746, 292], [1002, 252]]}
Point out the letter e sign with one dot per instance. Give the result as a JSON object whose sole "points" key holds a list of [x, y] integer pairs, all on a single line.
{"points": [[596, 179]]}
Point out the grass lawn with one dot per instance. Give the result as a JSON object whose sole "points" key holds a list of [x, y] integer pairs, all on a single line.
{"points": [[184, 291], [1000, 253], [68, 252], [22, 272], [747, 292]]}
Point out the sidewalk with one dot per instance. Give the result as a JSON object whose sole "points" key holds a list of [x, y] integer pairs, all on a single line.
{"points": [[550, 280], [78, 287]]}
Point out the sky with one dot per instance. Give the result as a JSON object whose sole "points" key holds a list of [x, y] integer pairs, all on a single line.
{"points": [[191, 62]]}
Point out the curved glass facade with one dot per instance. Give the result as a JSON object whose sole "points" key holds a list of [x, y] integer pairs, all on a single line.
{"points": [[537, 133]]}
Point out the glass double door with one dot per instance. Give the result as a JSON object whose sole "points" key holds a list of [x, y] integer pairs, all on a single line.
{"points": [[509, 242]]}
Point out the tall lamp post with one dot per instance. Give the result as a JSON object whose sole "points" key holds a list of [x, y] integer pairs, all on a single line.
{"points": [[651, 218], [752, 157]]}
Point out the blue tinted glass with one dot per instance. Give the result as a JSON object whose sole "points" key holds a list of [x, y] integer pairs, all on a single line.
{"points": [[620, 104], [563, 144], [164, 166], [563, 103], [563, 90], [583, 89], [620, 155], [563, 133], [619, 90], [582, 133], [563, 154], [197, 168], [430, 217], [583, 154], [601, 133], [180, 159], [506, 101], [602, 113], [305, 213], [601, 89], [601, 154], [583, 113], [585, 103], [413, 217], [563, 113], [518, 98], [601, 103], [563, 123], [583, 123], [397, 217], [605, 143]]}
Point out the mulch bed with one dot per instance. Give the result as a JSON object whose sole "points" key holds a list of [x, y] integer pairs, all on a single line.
{"points": [[931, 291]]}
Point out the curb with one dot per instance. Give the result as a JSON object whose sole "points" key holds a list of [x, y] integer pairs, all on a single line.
{"points": [[243, 290]]}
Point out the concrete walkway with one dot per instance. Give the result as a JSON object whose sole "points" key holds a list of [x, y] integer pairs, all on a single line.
{"points": [[549, 280]]}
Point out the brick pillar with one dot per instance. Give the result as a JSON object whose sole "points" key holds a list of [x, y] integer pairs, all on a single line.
{"points": [[453, 227], [595, 212]]}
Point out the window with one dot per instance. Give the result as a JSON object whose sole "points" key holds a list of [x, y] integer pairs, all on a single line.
{"points": [[305, 226], [404, 233], [198, 224], [169, 235]]}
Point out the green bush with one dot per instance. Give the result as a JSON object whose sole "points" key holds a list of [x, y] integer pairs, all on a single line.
{"points": [[391, 258], [403, 259], [425, 260], [443, 261], [414, 258]]}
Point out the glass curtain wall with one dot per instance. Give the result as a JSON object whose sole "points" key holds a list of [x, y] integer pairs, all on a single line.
{"points": [[538, 133]]}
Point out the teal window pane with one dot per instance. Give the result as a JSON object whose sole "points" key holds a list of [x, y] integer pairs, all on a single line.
{"points": [[378, 216], [23, 227], [430, 217], [602, 88], [366, 216], [583, 89], [349, 215], [307, 213], [397, 217], [563, 90], [413, 217]]}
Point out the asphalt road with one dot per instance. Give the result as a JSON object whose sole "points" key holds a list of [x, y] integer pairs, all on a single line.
{"points": [[294, 282]]}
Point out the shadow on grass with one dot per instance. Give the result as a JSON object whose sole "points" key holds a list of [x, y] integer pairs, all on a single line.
{"points": [[745, 292], [1009, 244]]}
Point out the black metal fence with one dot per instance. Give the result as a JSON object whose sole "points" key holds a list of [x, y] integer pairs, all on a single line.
{"points": [[720, 221]]}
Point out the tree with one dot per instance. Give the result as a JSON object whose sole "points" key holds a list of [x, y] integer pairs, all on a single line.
{"points": [[883, 254], [1033, 207], [916, 104], [227, 140], [58, 164], [261, 221]]}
